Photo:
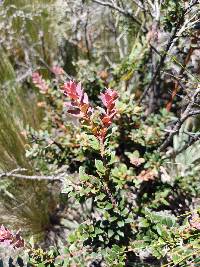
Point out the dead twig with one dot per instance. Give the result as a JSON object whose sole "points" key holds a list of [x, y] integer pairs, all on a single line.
{"points": [[16, 173], [188, 144], [189, 112], [161, 63], [129, 15], [168, 46], [123, 12]]}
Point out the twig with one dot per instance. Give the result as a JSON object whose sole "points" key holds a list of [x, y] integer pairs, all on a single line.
{"points": [[24, 76], [191, 142], [127, 14], [163, 57], [161, 63], [15, 174], [50, 70], [139, 5], [186, 114], [123, 12], [177, 79], [86, 35]]}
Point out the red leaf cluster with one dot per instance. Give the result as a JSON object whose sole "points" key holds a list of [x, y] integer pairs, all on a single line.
{"points": [[109, 99], [79, 105]]}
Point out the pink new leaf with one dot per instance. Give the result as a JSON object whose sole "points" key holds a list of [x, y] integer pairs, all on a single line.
{"points": [[109, 98], [39, 82], [57, 70]]}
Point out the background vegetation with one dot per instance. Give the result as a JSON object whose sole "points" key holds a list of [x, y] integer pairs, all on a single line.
{"points": [[113, 180]]}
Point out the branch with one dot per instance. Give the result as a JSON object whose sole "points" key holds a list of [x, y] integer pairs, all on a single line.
{"points": [[57, 176], [186, 114], [129, 15], [139, 5], [161, 63], [24, 76], [191, 142], [168, 46], [123, 12]]}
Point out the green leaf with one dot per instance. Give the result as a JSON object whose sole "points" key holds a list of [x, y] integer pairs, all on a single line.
{"points": [[120, 223], [72, 238], [93, 142], [101, 238], [110, 233], [120, 233], [113, 218], [159, 229], [98, 231], [129, 220], [113, 158], [117, 237], [176, 258], [143, 223], [82, 175], [101, 196], [108, 206], [100, 167]]}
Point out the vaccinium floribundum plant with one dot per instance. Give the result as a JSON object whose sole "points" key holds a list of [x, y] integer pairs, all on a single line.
{"points": [[109, 222]]}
